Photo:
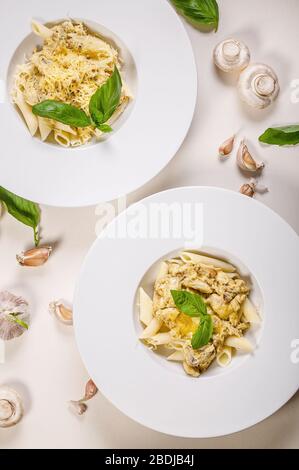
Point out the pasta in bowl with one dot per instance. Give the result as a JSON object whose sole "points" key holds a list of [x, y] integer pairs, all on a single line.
{"points": [[70, 89], [200, 312]]}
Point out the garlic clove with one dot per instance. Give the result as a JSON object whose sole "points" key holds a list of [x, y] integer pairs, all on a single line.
{"points": [[77, 407], [90, 390], [34, 257], [245, 160], [248, 189], [14, 316], [11, 407], [63, 313], [231, 55], [226, 148], [258, 86]]}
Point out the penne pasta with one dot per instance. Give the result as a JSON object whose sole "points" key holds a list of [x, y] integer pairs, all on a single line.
{"points": [[62, 138], [189, 257], [64, 127], [241, 344], [41, 30], [151, 329], [27, 113], [44, 128], [250, 312], [163, 270], [176, 356], [145, 307], [159, 339], [224, 357]]}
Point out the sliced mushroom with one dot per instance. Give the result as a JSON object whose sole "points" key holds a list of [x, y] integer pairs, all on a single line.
{"points": [[11, 407], [231, 55], [258, 86]]}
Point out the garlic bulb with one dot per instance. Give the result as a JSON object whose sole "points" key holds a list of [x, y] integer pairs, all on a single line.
{"points": [[35, 257], [258, 86], [14, 316], [231, 55], [226, 148], [77, 407], [63, 313], [245, 160], [11, 407]]}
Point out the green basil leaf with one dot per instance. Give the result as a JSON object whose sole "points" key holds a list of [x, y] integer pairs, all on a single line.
{"points": [[21, 209], [105, 128], [105, 100], [62, 112], [15, 319], [288, 135], [188, 303], [199, 12], [204, 333]]}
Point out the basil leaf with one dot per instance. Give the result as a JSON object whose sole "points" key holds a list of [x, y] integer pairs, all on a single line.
{"points": [[204, 333], [105, 128], [199, 12], [288, 135], [62, 112], [105, 100], [15, 319], [23, 210], [188, 303]]}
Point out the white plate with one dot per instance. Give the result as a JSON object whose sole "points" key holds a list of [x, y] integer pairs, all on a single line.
{"points": [[146, 387], [146, 141]]}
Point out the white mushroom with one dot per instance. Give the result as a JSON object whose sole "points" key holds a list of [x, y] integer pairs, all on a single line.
{"points": [[258, 86], [231, 55], [246, 161], [14, 316], [11, 407]]}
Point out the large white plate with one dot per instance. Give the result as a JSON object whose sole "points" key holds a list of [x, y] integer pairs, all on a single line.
{"points": [[147, 140], [158, 394]]}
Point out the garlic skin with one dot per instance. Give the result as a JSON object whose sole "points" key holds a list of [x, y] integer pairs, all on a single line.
{"points": [[14, 315], [34, 257], [248, 189], [231, 55], [226, 148], [245, 160], [258, 86], [63, 313], [77, 407], [11, 407], [90, 390]]}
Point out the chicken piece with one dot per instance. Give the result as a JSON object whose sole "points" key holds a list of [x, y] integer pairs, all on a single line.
{"points": [[194, 283], [235, 309], [162, 295], [168, 316], [200, 358], [193, 371], [219, 306]]}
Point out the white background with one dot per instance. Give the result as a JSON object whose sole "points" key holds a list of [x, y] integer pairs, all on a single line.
{"points": [[44, 365]]}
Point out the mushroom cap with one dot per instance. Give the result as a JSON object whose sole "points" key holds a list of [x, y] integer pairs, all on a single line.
{"points": [[258, 85], [13, 310], [231, 55], [11, 407]]}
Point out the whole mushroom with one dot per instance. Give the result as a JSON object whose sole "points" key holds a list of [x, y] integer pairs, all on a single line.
{"points": [[11, 407], [231, 55], [258, 86]]}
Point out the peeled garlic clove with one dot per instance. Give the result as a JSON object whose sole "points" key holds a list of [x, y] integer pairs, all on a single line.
{"points": [[90, 390], [245, 160], [258, 86], [77, 407], [63, 313], [34, 257], [11, 407], [231, 55], [226, 148], [248, 189]]}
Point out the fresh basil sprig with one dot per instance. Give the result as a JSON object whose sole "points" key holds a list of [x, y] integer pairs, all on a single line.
{"points": [[199, 12], [23, 210], [193, 305], [102, 105], [287, 135]]}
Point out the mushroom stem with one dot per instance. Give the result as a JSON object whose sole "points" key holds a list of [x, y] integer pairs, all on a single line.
{"points": [[264, 85], [6, 410], [231, 51]]}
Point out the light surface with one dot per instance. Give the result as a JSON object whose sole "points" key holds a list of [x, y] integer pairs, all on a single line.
{"points": [[147, 140], [44, 365], [151, 392]]}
